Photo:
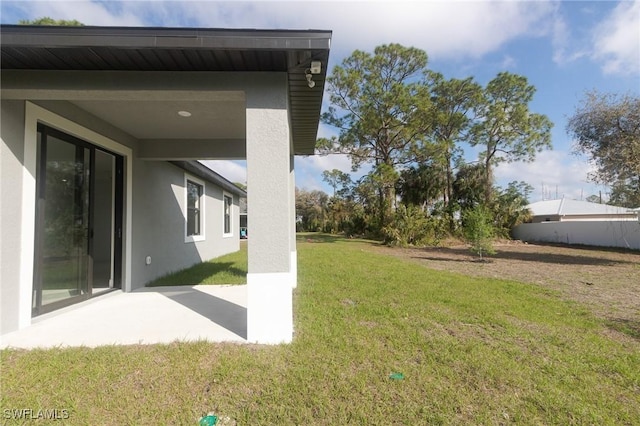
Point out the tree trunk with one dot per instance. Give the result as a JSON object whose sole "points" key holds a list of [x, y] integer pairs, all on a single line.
{"points": [[487, 180], [449, 192], [381, 208]]}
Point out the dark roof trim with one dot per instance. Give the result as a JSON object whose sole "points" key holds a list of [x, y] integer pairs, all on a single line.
{"points": [[161, 37], [202, 171], [85, 48]]}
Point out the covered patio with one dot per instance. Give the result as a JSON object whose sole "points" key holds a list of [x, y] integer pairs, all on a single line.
{"points": [[156, 95], [150, 315]]}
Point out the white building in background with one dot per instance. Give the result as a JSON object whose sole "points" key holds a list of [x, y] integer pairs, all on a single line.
{"points": [[564, 209], [581, 222]]}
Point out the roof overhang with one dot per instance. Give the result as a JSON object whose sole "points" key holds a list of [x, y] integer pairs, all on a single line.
{"points": [[206, 173], [85, 48]]}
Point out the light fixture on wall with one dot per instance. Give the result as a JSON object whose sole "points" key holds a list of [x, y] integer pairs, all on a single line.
{"points": [[184, 113], [309, 77], [315, 68]]}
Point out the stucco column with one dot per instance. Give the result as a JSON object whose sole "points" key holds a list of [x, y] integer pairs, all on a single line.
{"points": [[269, 291], [292, 245]]}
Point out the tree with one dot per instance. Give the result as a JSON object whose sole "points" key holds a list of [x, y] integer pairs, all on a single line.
{"points": [[340, 205], [606, 127], [45, 20], [506, 128], [468, 185], [421, 185], [452, 103], [510, 207], [378, 106], [478, 230], [365, 202], [311, 209], [626, 193], [337, 178]]}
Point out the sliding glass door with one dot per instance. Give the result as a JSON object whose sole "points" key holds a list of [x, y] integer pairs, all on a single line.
{"points": [[76, 219], [103, 219]]}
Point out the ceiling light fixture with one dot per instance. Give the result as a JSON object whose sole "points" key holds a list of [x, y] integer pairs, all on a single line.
{"points": [[184, 113]]}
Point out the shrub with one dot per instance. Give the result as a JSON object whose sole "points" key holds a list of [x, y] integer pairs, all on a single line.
{"points": [[411, 226], [478, 230]]}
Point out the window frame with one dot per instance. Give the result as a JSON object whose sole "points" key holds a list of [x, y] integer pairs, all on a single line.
{"points": [[226, 195], [201, 209]]}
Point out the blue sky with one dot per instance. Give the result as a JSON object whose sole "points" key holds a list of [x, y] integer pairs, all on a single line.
{"points": [[563, 48]]}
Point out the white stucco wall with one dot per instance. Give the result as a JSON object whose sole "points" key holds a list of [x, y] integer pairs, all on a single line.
{"points": [[596, 233], [159, 223], [11, 177]]}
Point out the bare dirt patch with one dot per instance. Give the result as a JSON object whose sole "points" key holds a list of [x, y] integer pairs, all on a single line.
{"points": [[606, 281]]}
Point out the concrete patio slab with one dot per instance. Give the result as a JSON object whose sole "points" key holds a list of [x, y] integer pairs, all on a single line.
{"points": [[145, 316]]}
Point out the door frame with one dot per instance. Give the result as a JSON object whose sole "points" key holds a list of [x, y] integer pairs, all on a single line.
{"points": [[79, 127], [116, 264]]}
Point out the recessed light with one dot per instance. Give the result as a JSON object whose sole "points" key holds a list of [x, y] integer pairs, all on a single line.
{"points": [[184, 113]]}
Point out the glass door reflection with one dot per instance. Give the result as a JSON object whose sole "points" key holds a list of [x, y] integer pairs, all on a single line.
{"points": [[65, 232], [78, 238]]}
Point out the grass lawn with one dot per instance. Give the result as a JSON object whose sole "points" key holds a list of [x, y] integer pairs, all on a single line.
{"points": [[471, 351], [227, 269]]}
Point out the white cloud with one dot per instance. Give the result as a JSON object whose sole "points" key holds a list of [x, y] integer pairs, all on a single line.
{"points": [[320, 163], [563, 43], [235, 171], [309, 170], [552, 172], [508, 62], [86, 11], [445, 29], [324, 130], [617, 40]]}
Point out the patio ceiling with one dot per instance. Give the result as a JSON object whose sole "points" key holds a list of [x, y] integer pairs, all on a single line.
{"points": [[179, 49]]}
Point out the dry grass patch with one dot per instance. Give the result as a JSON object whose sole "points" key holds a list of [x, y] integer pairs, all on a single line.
{"points": [[605, 280]]}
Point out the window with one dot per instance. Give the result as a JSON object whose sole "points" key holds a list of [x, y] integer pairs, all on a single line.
{"points": [[194, 195], [195, 210], [228, 206]]}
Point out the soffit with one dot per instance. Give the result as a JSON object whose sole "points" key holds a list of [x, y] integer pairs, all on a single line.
{"points": [[179, 49], [160, 120]]}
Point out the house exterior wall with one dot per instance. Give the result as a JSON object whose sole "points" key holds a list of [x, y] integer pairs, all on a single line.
{"points": [[159, 222], [596, 233], [11, 176], [154, 206]]}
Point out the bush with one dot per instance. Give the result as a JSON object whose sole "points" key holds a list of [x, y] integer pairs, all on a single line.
{"points": [[411, 226]]}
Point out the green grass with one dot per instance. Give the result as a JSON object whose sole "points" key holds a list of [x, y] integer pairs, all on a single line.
{"points": [[227, 269], [472, 351]]}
